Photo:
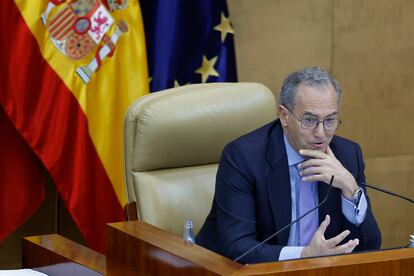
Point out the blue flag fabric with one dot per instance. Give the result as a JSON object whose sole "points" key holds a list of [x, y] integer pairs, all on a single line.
{"points": [[188, 41]]}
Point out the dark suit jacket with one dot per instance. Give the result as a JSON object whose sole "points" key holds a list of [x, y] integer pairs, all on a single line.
{"points": [[252, 198]]}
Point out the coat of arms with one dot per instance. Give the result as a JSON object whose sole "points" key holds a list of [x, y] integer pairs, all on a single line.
{"points": [[79, 27]]}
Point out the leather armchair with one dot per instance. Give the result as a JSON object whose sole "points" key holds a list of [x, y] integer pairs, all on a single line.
{"points": [[173, 143]]}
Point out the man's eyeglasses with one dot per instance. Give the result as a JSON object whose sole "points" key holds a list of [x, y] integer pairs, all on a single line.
{"points": [[311, 122]]}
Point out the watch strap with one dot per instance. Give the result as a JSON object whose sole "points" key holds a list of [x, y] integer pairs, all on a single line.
{"points": [[356, 196]]}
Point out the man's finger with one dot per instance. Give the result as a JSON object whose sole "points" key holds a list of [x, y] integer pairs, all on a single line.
{"points": [[337, 239], [312, 170], [324, 177], [311, 163], [354, 243], [313, 153], [346, 248], [322, 228]]}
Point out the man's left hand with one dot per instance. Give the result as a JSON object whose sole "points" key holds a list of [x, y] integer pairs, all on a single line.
{"points": [[322, 165]]}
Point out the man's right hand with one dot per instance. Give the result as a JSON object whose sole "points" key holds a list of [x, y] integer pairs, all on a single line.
{"points": [[319, 246]]}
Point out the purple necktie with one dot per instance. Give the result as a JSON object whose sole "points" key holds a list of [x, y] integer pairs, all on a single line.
{"points": [[309, 224]]}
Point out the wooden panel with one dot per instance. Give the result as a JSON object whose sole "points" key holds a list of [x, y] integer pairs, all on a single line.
{"points": [[137, 248], [394, 215], [373, 58], [51, 249], [276, 37], [386, 263]]}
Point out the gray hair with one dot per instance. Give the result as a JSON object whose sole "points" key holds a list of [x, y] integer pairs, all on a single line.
{"points": [[310, 76]]}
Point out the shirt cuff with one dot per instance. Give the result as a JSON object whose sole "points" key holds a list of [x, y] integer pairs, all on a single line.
{"points": [[290, 252], [355, 214]]}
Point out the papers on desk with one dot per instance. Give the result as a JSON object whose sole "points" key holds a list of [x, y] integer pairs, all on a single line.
{"points": [[21, 272]]}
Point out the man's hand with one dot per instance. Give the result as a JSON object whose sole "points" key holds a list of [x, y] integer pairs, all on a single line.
{"points": [[319, 246], [321, 166]]}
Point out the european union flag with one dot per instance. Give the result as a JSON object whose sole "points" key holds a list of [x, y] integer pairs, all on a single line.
{"points": [[188, 41]]}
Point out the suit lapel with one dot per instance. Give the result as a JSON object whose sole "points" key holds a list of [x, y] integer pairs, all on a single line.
{"points": [[278, 183]]}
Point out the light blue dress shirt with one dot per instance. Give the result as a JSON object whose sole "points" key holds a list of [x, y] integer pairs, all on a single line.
{"points": [[355, 214]]}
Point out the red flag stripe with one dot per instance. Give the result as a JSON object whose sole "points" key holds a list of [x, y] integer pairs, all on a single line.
{"points": [[63, 26], [66, 11], [48, 116], [64, 31], [22, 179]]}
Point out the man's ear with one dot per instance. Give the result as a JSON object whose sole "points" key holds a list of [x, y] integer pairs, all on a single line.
{"points": [[283, 114]]}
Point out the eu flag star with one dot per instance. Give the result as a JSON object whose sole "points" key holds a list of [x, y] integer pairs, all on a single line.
{"points": [[207, 68], [224, 27]]}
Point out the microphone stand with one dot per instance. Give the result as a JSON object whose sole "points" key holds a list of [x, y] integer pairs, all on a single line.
{"points": [[411, 242], [388, 192]]}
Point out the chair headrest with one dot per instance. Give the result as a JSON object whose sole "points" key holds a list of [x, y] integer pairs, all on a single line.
{"points": [[190, 125]]}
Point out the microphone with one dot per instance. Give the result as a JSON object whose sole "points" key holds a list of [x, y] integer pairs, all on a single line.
{"points": [[387, 192], [411, 242], [290, 224]]}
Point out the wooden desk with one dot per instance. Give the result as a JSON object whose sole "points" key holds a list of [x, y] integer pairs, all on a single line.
{"points": [[136, 247]]}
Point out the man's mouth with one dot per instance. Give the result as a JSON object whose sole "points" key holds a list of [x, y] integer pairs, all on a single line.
{"points": [[318, 145]]}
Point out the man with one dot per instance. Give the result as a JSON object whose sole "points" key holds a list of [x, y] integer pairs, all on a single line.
{"points": [[273, 175]]}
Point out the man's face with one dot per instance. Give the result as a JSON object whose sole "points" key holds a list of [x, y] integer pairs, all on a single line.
{"points": [[319, 102]]}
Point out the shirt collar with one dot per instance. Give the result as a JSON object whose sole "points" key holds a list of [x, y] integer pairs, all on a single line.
{"points": [[293, 156]]}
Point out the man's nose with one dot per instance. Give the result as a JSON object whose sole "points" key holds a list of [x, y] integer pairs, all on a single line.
{"points": [[319, 131]]}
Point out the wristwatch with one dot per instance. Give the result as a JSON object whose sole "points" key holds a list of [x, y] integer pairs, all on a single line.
{"points": [[356, 195]]}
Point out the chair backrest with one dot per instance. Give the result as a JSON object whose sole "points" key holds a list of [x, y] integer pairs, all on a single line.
{"points": [[173, 143]]}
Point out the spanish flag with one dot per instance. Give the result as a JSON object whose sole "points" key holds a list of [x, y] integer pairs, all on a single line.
{"points": [[70, 70]]}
